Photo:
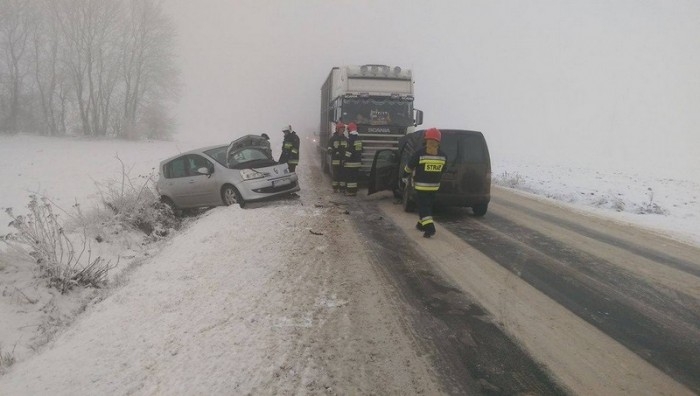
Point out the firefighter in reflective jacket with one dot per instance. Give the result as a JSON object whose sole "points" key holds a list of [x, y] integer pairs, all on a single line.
{"points": [[290, 148], [427, 165], [353, 160], [337, 145]]}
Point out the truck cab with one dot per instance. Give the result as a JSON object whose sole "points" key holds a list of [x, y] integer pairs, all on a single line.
{"points": [[466, 181], [377, 98]]}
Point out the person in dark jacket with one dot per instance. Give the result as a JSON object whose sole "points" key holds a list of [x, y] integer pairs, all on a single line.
{"points": [[353, 160], [427, 165], [266, 143], [290, 148], [337, 145]]}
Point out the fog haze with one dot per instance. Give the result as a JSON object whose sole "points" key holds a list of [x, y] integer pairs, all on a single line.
{"points": [[612, 83]]}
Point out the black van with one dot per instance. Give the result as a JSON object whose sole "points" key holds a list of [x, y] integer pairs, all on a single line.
{"points": [[465, 182]]}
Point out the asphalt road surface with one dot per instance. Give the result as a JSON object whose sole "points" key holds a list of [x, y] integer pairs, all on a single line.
{"points": [[535, 294]]}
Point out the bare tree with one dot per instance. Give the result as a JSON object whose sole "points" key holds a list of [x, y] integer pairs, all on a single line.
{"points": [[3, 72], [148, 75], [49, 75], [155, 122], [14, 34], [101, 67], [90, 28]]}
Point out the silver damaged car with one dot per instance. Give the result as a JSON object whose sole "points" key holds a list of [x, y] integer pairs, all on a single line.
{"points": [[223, 175]]}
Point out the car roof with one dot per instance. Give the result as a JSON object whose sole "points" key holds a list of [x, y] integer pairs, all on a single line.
{"points": [[451, 131], [419, 133], [200, 150], [415, 137]]}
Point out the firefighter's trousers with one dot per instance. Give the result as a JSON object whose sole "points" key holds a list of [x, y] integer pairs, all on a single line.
{"points": [[424, 201], [338, 180]]}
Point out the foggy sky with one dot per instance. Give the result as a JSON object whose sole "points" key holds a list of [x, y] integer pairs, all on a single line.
{"points": [[612, 82]]}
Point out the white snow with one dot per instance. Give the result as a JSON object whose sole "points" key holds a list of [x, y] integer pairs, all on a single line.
{"points": [[669, 205], [66, 170], [188, 328]]}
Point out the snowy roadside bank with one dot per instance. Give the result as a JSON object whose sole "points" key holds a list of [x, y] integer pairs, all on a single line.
{"points": [[273, 298], [670, 206]]}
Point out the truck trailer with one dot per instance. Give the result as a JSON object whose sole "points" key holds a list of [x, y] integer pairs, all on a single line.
{"points": [[377, 98]]}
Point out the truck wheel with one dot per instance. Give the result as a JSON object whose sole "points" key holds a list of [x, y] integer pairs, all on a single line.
{"points": [[480, 209], [324, 165], [230, 196], [408, 204]]}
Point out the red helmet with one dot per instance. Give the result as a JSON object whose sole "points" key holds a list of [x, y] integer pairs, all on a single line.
{"points": [[339, 126], [433, 133], [352, 126]]}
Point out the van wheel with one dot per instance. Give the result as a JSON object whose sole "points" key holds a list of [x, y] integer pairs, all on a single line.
{"points": [[231, 196], [408, 204], [480, 209]]}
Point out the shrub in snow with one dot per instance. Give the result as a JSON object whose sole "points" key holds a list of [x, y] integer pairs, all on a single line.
{"points": [[53, 251], [618, 204], [506, 179], [651, 207], [7, 359], [137, 204], [609, 202]]}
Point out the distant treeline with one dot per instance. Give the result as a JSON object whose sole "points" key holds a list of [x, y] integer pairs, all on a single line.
{"points": [[87, 67]]}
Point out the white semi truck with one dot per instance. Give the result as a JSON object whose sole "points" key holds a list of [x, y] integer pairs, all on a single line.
{"points": [[377, 98]]}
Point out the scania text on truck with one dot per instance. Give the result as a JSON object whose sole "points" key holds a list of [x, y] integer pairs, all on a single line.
{"points": [[377, 98]]}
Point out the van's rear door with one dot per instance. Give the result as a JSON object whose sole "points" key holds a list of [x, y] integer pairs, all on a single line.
{"points": [[385, 171]]}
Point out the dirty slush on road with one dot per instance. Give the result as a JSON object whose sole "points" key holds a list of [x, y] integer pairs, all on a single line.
{"points": [[468, 353], [330, 300]]}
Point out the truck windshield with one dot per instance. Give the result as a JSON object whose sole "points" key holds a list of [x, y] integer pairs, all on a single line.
{"points": [[374, 111]]}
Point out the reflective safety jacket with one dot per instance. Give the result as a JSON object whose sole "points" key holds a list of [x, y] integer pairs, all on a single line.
{"points": [[337, 145], [290, 149], [428, 169], [353, 154]]}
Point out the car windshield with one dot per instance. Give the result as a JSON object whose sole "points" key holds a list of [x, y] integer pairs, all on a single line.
{"points": [[249, 157], [218, 154]]}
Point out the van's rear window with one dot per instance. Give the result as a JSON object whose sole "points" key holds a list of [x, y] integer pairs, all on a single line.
{"points": [[463, 148]]}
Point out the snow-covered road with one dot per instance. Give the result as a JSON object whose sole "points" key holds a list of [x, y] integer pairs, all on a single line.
{"points": [[242, 301], [282, 297]]}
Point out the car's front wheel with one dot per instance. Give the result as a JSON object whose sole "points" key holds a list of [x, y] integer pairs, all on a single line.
{"points": [[480, 209], [171, 205], [168, 202], [231, 196]]}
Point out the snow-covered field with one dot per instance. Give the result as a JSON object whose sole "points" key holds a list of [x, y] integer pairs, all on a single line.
{"points": [[70, 170], [669, 205]]}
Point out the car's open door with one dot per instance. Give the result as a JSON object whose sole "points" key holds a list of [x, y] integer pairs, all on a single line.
{"points": [[385, 171]]}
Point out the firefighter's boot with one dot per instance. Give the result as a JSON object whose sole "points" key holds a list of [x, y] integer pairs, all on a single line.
{"points": [[429, 230]]}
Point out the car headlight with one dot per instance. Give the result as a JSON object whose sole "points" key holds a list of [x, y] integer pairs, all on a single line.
{"points": [[249, 174]]}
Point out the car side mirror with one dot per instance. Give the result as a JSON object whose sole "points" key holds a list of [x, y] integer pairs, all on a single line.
{"points": [[203, 171]]}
